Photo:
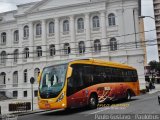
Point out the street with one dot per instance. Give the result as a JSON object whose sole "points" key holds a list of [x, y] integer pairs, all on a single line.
{"points": [[144, 104]]}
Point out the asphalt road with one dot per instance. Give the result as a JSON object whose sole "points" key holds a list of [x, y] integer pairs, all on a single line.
{"points": [[144, 104]]}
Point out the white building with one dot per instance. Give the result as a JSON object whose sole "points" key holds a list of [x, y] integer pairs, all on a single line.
{"points": [[43, 33]]}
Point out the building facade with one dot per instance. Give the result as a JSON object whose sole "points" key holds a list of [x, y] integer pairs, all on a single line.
{"points": [[49, 32], [156, 6]]}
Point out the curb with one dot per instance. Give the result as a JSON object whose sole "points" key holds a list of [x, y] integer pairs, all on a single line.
{"points": [[28, 113], [144, 91], [33, 112]]}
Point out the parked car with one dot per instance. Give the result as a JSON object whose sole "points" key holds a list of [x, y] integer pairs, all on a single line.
{"points": [[159, 98]]}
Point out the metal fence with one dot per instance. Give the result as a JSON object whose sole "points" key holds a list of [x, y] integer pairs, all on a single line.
{"points": [[8, 117], [19, 107]]}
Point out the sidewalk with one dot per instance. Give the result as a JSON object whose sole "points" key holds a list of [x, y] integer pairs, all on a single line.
{"points": [[5, 105], [157, 89]]}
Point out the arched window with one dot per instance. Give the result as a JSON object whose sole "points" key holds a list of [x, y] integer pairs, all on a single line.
{"points": [[97, 45], [3, 78], [66, 26], [26, 53], [113, 44], [3, 57], [52, 50], [3, 38], [51, 27], [39, 51], [25, 75], [16, 36], [95, 21], [15, 79], [38, 29], [81, 47], [16, 55], [36, 73], [111, 19], [80, 24], [26, 31], [67, 49]]}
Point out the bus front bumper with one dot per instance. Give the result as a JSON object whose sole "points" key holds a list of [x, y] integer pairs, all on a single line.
{"points": [[51, 104]]}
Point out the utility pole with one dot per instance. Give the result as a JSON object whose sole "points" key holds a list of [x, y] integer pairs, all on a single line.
{"points": [[32, 80]]}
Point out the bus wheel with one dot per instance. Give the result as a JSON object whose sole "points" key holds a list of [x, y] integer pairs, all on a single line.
{"points": [[93, 101], [128, 95]]}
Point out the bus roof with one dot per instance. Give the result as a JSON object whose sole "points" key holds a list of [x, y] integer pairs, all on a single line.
{"points": [[102, 62], [96, 62]]}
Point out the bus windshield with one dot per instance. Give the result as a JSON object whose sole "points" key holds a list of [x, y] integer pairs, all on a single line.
{"points": [[52, 81]]}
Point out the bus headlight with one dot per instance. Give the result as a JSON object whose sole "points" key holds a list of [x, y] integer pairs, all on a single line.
{"points": [[60, 97]]}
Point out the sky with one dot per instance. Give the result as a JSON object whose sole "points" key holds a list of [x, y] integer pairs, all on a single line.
{"points": [[147, 10]]}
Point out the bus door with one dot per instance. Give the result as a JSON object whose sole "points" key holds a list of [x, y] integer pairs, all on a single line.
{"points": [[79, 93]]}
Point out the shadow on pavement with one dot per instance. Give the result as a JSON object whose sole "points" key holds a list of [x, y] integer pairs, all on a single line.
{"points": [[66, 112]]}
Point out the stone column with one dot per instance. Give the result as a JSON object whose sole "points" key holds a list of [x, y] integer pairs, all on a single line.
{"points": [[103, 27], [31, 40], [72, 33], [44, 39], [20, 30], [57, 37], [88, 32], [9, 44]]}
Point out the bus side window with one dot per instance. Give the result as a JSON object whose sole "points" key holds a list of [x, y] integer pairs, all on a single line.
{"points": [[108, 75], [87, 75], [126, 76], [99, 74], [70, 86], [77, 76], [114, 75], [135, 76], [121, 75]]}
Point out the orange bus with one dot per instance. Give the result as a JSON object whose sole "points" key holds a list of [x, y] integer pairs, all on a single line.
{"points": [[86, 82]]}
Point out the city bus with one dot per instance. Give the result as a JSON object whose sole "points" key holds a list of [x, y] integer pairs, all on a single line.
{"points": [[86, 82]]}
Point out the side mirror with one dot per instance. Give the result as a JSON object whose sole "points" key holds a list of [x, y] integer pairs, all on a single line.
{"points": [[39, 77], [69, 72]]}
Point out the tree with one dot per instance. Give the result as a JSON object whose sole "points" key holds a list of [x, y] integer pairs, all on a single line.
{"points": [[154, 65], [155, 69]]}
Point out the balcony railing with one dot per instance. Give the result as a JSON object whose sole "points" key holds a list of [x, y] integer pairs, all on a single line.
{"points": [[2, 86]]}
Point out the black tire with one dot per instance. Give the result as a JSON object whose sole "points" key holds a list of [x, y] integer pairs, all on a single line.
{"points": [[68, 109], [159, 100], [128, 95], [93, 101]]}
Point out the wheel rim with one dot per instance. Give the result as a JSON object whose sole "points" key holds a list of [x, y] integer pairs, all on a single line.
{"points": [[93, 101], [128, 96]]}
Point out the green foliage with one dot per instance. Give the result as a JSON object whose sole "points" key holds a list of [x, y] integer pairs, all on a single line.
{"points": [[154, 65]]}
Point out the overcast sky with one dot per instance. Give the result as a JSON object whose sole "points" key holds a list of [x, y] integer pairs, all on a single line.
{"points": [[147, 10]]}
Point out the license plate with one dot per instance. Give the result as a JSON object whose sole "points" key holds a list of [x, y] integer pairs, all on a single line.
{"points": [[47, 105]]}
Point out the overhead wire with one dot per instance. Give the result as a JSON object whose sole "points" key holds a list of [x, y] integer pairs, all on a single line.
{"points": [[75, 51]]}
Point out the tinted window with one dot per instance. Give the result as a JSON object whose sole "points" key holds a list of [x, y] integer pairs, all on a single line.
{"points": [[82, 76], [87, 75], [99, 74]]}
